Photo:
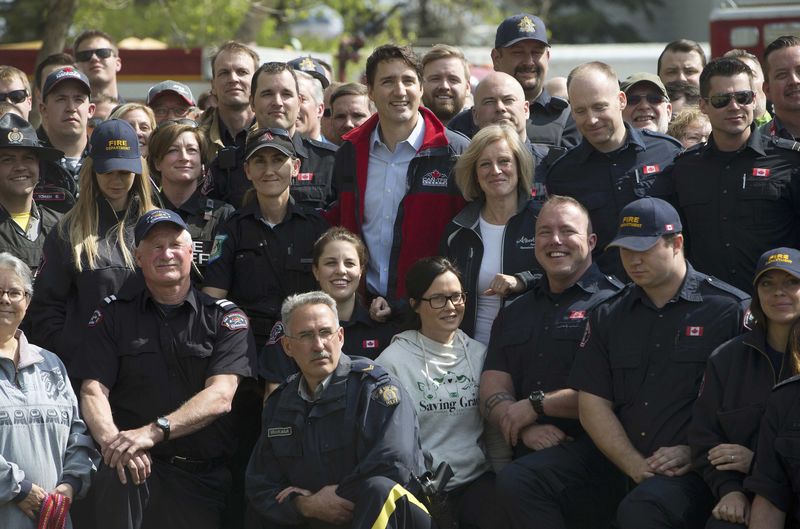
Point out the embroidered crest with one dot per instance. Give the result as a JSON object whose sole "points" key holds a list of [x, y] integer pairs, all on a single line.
{"points": [[15, 136], [435, 178], [576, 315], [216, 249], [276, 333], [305, 177], [761, 172], [387, 395], [307, 64], [96, 318], [235, 320], [650, 169], [526, 25]]}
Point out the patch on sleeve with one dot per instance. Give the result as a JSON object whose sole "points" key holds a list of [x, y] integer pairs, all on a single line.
{"points": [[388, 395], [235, 320], [216, 249], [96, 318], [285, 431], [276, 333]]}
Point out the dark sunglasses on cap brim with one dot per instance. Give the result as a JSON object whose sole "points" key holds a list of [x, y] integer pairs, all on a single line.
{"points": [[86, 55], [743, 97], [650, 98]]}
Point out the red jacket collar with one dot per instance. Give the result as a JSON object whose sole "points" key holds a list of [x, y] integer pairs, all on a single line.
{"points": [[434, 131]]}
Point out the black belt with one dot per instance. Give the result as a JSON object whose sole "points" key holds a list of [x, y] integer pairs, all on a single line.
{"points": [[192, 465]]}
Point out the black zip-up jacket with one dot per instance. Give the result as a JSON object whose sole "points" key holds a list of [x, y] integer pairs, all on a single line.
{"points": [[738, 380], [463, 245]]}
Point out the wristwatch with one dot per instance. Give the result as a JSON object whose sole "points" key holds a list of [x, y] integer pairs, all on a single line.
{"points": [[163, 424], [537, 401]]}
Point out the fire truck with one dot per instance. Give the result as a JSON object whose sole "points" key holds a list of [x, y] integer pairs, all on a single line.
{"points": [[752, 24]]}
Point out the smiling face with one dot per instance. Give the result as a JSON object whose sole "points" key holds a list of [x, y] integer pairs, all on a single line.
{"points": [[397, 92], [527, 60], [445, 87], [496, 169], [276, 101], [733, 120], [271, 172], [11, 312], [165, 255], [563, 244], [181, 164], [644, 114], [499, 100], [339, 270], [783, 83], [597, 104], [779, 294], [140, 122], [440, 324], [19, 172]]}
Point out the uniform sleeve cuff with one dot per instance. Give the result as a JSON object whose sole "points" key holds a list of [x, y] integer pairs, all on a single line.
{"points": [[25, 487], [74, 482]]}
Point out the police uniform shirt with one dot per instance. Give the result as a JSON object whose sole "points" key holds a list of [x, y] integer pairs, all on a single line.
{"points": [[204, 216], [259, 265], [539, 352], [313, 185], [606, 182], [774, 127], [363, 336], [776, 473], [128, 340], [27, 244], [649, 362], [738, 205], [363, 425]]}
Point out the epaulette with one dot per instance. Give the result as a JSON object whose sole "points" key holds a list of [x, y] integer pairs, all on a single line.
{"points": [[224, 304], [322, 144], [786, 382], [558, 103], [783, 143], [691, 150], [615, 281], [654, 134], [108, 300], [367, 367], [725, 287]]}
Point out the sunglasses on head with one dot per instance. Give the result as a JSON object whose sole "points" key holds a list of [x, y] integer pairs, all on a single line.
{"points": [[743, 97], [650, 98], [14, 96], [86, 55]]}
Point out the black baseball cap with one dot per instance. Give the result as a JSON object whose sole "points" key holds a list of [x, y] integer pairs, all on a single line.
{"points": [[520, 27], [16, 133], [786, 259], [643, 222], [275, 138], [115, 147], [312, 67], [66, 73], [151, 218]]}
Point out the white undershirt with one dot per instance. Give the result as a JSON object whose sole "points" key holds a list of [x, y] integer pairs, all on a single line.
{"points": [[491, 265]]}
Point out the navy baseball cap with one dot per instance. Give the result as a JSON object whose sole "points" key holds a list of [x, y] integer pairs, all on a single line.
{"points": [[520, 27], [275, 138], [151, 218], [643, 222], [312, 67], [65, 74], [16, 133], [115, 147], [786, 259], [179, 89]]}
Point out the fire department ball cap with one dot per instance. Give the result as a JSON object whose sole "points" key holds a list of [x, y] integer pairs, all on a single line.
{"points": [[643, 77], [179, 89], [520, 27], [115, 147], [786, 259], [275, 138], [643, 222], [155, 216], [312, 67], [65, 74], [16, 133]]}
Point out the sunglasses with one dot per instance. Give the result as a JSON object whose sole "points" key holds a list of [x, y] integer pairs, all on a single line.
{"points": [[86, 55], [14, 96], [162, 112], [743, 97], [650, 98]]}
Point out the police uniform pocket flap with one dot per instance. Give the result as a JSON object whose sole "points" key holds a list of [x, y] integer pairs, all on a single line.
{"points": [[756, 188], [571, 330], [284, 441], [625, 359], [137, 347]]}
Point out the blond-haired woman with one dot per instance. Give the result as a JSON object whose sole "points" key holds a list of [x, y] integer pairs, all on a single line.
{"points": [[89, 256], [141, 118]]}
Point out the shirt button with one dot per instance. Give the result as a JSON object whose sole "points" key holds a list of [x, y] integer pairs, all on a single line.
{"points": [[724, 191], [646, 403], [538, 382], [540, 355], [556, 305], [643, 434], [724, 217], [727, 245], [660, 315], [658, 345], [547, 327]]}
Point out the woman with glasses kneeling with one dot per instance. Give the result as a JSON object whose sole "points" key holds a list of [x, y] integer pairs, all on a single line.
{"points": [[440, 367], [46, 455]]}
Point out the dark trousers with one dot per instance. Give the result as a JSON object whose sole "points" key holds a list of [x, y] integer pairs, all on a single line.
{"points": [[571, 485], [663, 502], [475, 504], [713, 523], [170, 497]]}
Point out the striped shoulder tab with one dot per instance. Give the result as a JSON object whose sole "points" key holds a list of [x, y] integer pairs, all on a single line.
{"points": [[108, 300], [225, 304]]}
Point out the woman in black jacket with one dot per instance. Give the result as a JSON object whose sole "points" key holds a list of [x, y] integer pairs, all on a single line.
{"points": [[492, 239], [739, 377]]}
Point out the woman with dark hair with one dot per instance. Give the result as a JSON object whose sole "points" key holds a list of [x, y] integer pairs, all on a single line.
{"points": [[177, 156], [339, 260], [440, 367], [492, 238], [90, 253], [739, 377]]}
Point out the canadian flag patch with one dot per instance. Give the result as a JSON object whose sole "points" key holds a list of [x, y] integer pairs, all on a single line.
{"points": [[669, 227], [694, 331], [305, 177], [369, 344], [762, 172], [650, 169], [577, 315]]}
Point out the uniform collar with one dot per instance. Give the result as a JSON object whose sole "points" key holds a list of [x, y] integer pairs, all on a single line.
{"points": [[470, 215], [27, 355], [754, 142], [633, 138], [254, 210], [689, 290], [543, 99], [360, 315], [192, 206], [588, 282], [299, 146], [191, 299]]}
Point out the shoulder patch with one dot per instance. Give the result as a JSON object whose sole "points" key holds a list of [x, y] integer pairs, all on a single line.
{"points": [[276, 333], [216, 248], [368, 367], [321, 144], [388, 395], [97, 317], [235, 320]]}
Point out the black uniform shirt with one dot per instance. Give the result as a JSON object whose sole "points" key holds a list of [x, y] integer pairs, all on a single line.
{"points": [[313, 184], [649, 362], [607, 182], [259, 265], [535, 337], [776, 475], [204, 216], [736, 206], [126, 350], [27, 244]]}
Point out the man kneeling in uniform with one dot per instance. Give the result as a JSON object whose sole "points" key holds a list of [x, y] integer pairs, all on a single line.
{"points": [[340, 441]]}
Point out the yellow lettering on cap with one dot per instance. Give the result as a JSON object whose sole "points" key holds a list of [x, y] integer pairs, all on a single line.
{"points": [[630, 222], [117, 145], [779, 258]]}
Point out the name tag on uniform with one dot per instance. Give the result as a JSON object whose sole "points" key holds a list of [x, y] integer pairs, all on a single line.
{"points": [[279, 432]]}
